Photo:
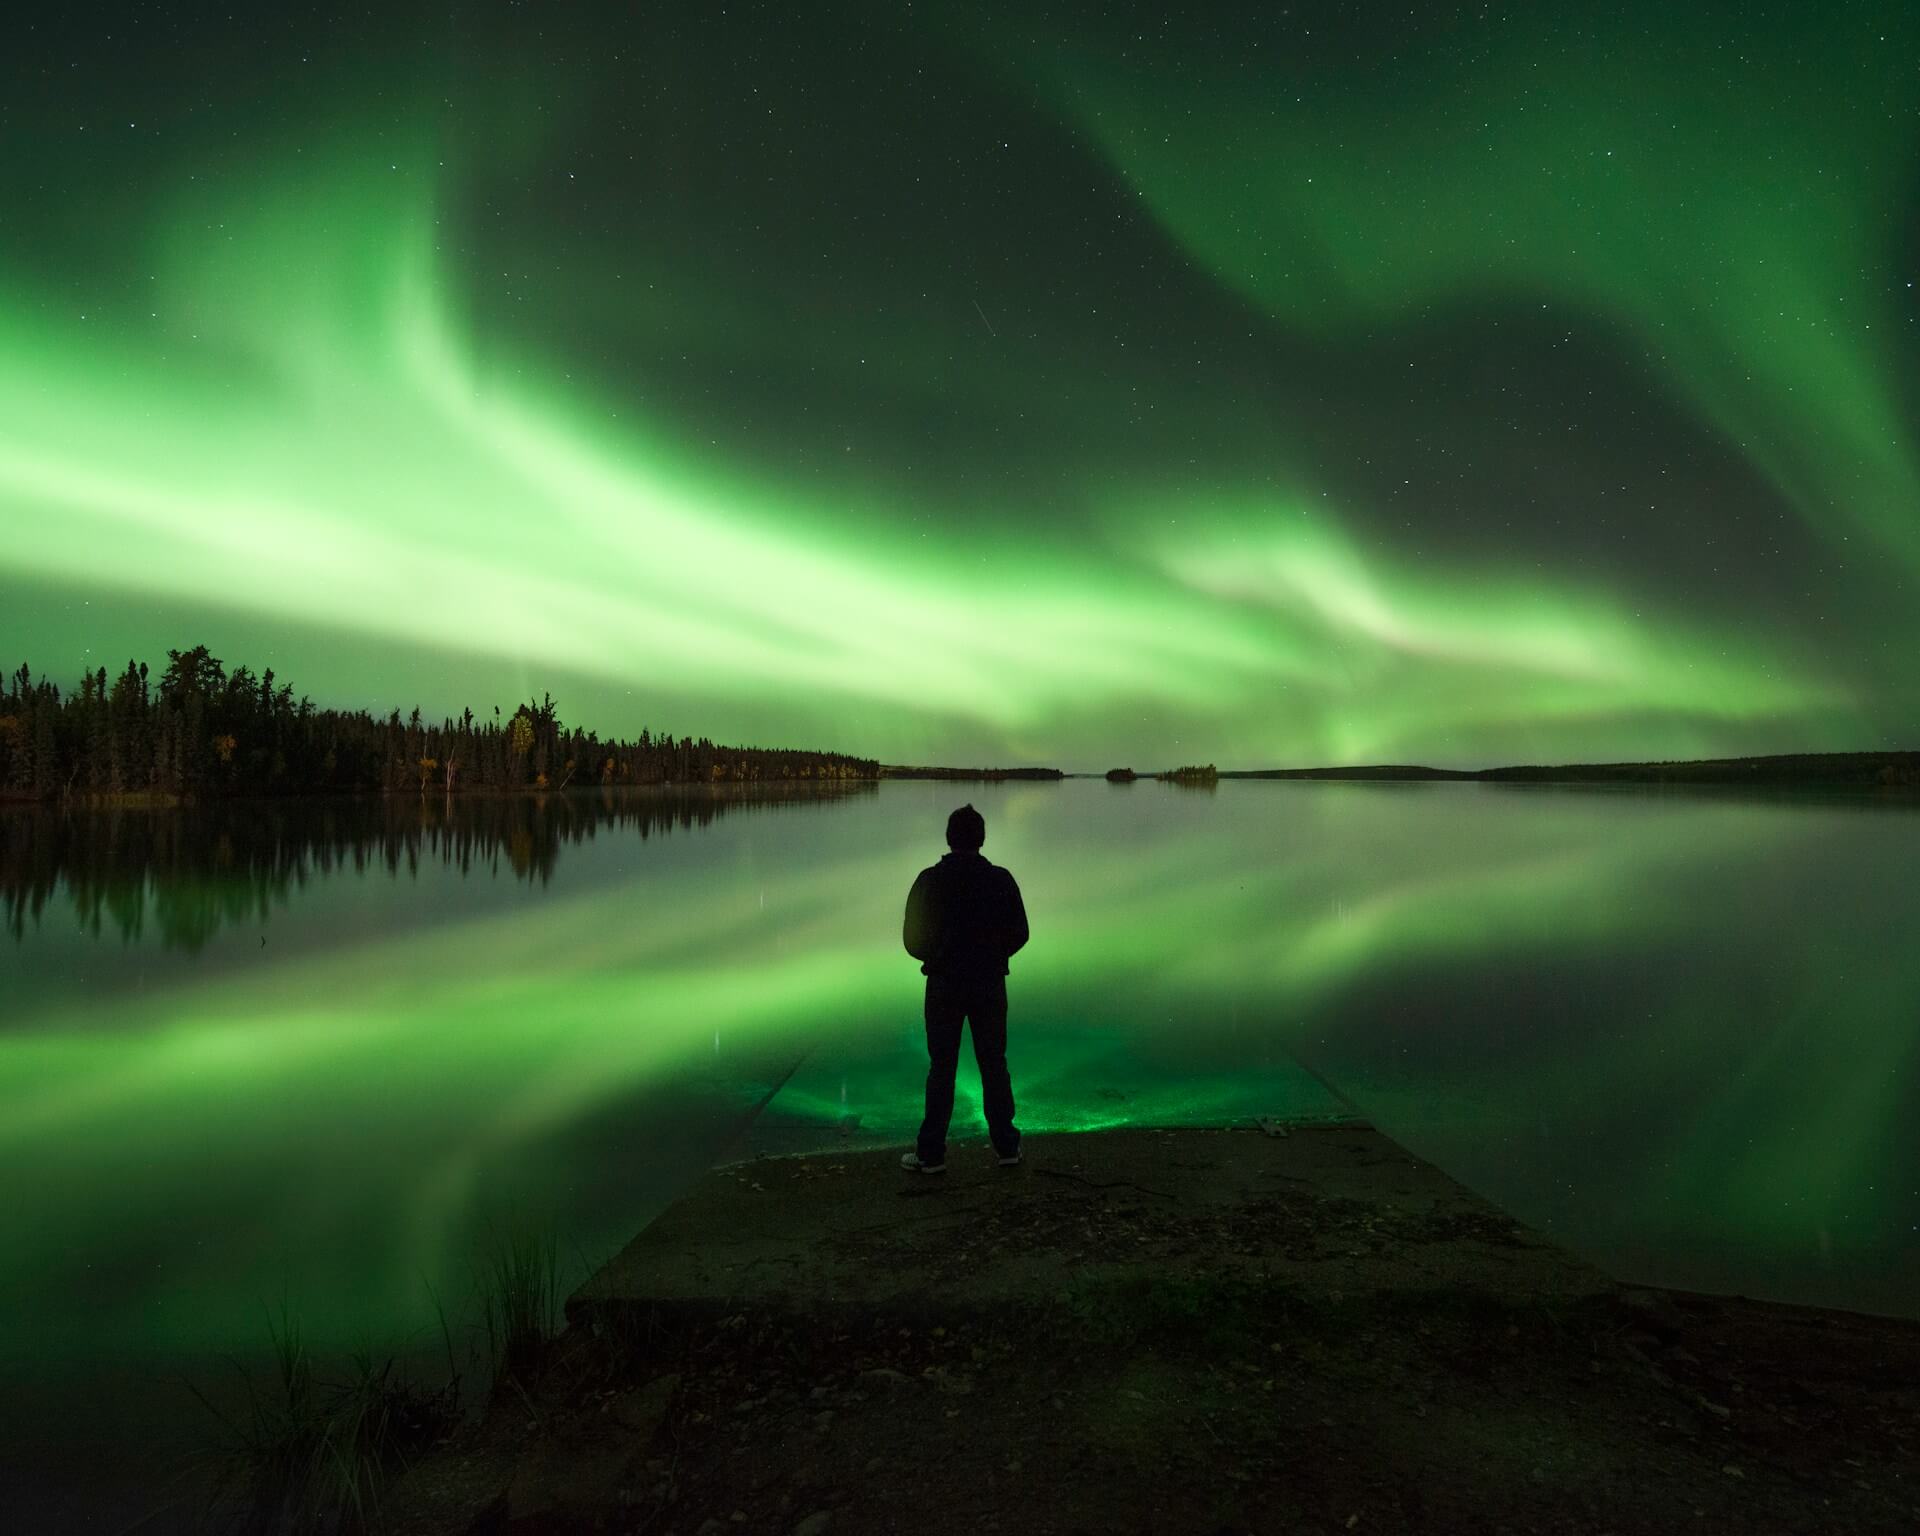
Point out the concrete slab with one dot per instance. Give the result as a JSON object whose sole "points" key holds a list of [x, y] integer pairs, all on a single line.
{"points": [[1326, 1211]]}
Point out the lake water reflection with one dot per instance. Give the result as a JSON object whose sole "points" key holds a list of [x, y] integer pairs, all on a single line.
{"points": [[319, 1052]]}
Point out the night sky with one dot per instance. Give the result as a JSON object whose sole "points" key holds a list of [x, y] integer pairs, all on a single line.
{"points": [[1051, 383]]}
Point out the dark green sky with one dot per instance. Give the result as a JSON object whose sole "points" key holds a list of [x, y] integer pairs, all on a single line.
{"points": [[1055, 383]]}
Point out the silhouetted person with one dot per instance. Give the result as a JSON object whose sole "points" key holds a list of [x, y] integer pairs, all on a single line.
{"points": [[964, 918]]}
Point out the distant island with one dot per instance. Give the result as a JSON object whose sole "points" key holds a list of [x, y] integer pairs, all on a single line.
{"points": [[1877, 770], [199, 730], [1202, 776], [1190, 775], [988, 775]]}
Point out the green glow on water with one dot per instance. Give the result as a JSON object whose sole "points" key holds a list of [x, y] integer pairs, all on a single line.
{"points": [[1611, 1011]]}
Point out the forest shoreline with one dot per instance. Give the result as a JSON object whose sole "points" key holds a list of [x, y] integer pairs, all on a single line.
{"points": [[1895, 772], [149, 800], [198, 728]]}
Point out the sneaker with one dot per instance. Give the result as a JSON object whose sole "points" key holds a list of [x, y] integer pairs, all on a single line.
{"points": [[911, 1162], [1008, 1159]]}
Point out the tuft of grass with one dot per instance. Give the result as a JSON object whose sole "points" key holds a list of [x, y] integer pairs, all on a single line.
{"points": [[308, 1454], [519, 1287], [308, 1449]]}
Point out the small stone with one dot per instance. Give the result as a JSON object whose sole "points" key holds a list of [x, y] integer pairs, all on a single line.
{"points": [[738, 1517], [875, 1463], [643, 1411], [816, 1524], [823, 1421], [1732, 1471], [1653, 1311], [710, 1527]]}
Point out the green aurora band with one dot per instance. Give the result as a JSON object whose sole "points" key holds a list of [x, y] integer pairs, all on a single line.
{"points": [[1705, 187], [283, 405]]}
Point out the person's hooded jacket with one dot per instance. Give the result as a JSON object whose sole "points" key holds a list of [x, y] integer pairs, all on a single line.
{"points": [[964, 917]]}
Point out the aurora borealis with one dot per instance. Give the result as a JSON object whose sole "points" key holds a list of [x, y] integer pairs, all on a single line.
{"points": [[1057, 384]]}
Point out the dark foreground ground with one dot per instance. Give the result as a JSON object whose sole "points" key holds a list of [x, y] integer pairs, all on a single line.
{"points": [[1190, 1331]]}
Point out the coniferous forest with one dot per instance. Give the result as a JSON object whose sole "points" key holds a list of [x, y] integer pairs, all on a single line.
{"points": [[199, 730]]}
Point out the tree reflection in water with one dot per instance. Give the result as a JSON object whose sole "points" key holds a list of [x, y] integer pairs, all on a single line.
{"points": [[182, 875]]}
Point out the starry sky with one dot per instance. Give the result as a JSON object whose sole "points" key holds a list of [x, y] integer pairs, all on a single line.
{"points": [[1063, 383]]}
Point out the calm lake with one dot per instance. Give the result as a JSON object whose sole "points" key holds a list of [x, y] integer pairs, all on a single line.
{"points": [[323, 1055]]}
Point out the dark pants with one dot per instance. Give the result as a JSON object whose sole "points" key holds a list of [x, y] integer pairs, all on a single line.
{"points": [[982, 1002]]}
